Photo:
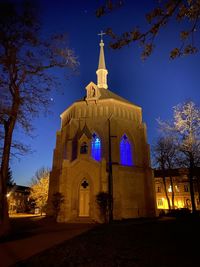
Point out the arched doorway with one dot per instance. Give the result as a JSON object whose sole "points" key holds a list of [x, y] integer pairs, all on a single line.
{"points": [[84, 199]]}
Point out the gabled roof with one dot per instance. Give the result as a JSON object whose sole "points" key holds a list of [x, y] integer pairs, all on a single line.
{"points": [[85, 131], [19, 188], [175, 172], [107, 94]]}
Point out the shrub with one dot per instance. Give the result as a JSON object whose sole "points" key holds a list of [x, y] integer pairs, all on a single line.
{"points": [[103, 200]]}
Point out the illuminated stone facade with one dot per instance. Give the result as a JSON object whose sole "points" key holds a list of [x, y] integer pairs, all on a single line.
{"points": [[181, 188], [102, 128]]}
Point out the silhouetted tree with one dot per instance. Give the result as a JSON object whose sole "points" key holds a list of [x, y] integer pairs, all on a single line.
{"points": [[25, 82], [10, 181], [165, 158], [103, 199], [158, 18]]}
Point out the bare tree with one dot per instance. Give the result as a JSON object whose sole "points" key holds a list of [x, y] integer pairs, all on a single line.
{"points": [[164, 12], [165, 158], [25, 79], [160, 153], [10, 181], [186, 125], [42, 172]]}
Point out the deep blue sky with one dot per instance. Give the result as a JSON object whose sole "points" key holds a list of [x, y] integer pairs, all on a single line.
{"points": [[156, 84]]}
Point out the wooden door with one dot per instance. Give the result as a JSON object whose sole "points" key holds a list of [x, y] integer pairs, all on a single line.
{"points": [[84, 199]]}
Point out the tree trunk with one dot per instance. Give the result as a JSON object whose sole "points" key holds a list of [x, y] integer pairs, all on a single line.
{"points": [[198, 188], [8, 128], [4, 218], [168, 201], [172, 187], [191, 176]]}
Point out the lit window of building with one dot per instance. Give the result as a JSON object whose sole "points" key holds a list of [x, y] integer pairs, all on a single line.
{"points": [[181, 186], [158, 189], [170, 189], [125, 151], [160, 202], [177, 188], [186, 188]]}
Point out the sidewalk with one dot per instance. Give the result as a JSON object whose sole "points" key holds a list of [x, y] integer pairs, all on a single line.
{"points": [[39, 239]]}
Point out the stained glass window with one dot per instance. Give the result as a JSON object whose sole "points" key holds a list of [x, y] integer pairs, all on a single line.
{"points": [[96, 147], [125, 151]]}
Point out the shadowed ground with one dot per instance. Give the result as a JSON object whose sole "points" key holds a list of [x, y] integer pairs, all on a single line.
{"points": [[33, 234], [140, 242]]}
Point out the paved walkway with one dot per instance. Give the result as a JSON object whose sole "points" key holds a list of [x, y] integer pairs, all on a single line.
{"points": [[39, 240]]}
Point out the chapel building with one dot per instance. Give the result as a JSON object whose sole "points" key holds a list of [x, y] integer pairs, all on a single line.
{"points": [[102, 147]]}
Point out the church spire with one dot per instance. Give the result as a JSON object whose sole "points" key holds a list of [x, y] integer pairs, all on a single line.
{"points": [[102, 71]]}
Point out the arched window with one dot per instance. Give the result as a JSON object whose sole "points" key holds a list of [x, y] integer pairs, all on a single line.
{"points": [[84, 148], [96, 147], [125, 151]]}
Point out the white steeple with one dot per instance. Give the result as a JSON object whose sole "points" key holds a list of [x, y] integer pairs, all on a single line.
{"points": [[102, 71]]}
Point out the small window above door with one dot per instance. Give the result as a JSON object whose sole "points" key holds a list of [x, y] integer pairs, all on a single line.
{"points": [[84, 148]]}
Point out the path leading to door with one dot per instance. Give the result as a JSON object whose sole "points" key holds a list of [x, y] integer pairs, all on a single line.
{"points": [[32, 235]]}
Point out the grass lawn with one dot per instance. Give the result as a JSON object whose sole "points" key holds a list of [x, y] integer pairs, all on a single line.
{"points": [[138, 242]]}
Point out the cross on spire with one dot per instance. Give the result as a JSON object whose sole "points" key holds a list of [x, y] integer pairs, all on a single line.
{"points": [[101, 34]]}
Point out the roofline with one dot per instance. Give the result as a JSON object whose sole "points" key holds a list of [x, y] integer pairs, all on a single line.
{"points": [[101, 100]]}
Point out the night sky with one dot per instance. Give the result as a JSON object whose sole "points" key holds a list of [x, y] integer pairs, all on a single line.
{"points": [[156, 84]]}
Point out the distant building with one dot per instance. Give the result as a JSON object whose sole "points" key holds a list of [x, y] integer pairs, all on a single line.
{"points": [[18, 198], [102, 146], [181, 188]]}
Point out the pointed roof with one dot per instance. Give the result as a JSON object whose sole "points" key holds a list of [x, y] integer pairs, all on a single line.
{"points": [[102, 64], [102, 71], [85, 131]]}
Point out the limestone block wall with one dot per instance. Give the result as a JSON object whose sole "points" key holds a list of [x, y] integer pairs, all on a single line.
{"points": [[70, 180], [132, 186], [130, 195], [128, 187], [150, 193], [124, 118]]}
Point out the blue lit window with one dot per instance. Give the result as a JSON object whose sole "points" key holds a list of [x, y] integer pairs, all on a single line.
{"points": [[125, 151], [96, 147]]}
